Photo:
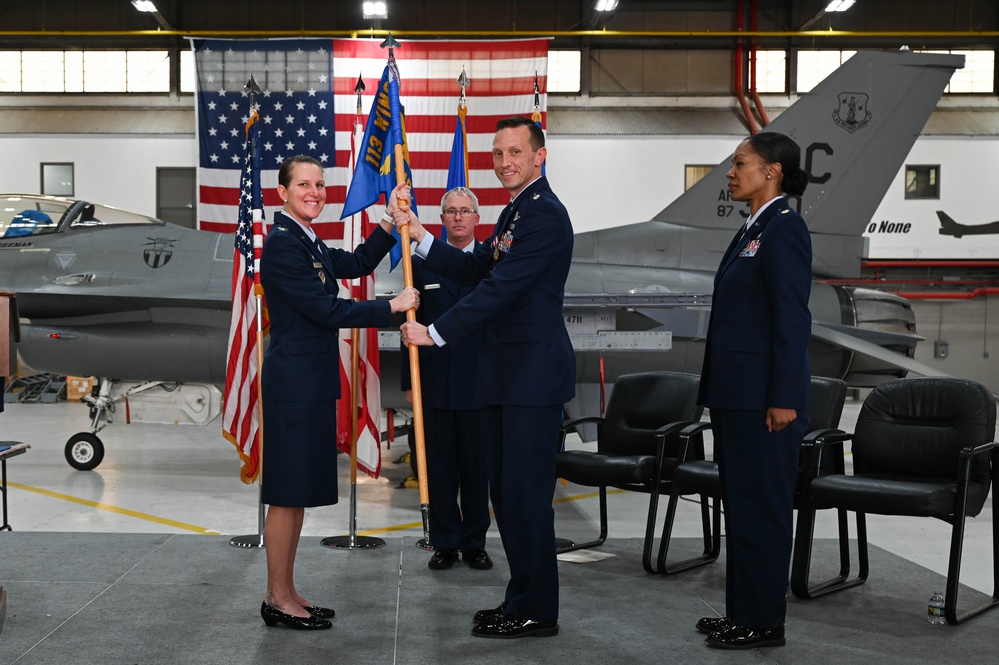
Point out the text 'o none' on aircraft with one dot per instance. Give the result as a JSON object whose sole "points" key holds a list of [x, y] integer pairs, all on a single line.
{"points": [[116, 295]]}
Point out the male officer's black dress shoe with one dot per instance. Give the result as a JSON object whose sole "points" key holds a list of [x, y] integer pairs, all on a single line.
{"points": [[443, 558], [709, 625], [477, 558], [272, 616], [486, 616], [320, 612], [740, 637], [508, 627]]}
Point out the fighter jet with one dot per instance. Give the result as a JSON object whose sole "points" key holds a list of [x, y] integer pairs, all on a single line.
{"points": [[120, 296], [948, 227]]}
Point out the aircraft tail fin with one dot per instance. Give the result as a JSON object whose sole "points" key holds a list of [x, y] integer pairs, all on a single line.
{"points": [[855, 129]]}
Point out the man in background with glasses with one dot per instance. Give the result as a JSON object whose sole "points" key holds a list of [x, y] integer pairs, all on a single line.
{"points": [[456, 456]]}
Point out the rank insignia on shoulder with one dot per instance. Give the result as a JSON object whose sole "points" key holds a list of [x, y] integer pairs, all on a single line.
{"points": [[784, 211], [536, 196]]}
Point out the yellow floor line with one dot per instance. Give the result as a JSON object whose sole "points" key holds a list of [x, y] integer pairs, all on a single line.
{"points": [[209, 532], [418, 525], [115, 509]]}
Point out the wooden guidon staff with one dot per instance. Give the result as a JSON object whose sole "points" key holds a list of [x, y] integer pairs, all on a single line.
{"points": [[414, 358]]}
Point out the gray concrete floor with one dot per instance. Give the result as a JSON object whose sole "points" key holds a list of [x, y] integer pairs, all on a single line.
{"points": [[130, 563]]}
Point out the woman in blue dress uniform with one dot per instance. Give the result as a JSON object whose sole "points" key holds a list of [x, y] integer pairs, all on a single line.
{"points": [[755, 381], [301, 373]]}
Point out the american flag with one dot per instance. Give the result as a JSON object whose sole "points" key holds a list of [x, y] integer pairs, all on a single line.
{"points": [[240, 423], [502, 84], [296, 114]]}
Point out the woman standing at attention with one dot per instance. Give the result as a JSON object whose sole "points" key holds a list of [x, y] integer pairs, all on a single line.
{"points": [[301, 373], [755, 382]]}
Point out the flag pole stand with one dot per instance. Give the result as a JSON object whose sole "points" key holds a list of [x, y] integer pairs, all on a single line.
{"points": [[352, 541], [253, 539], [257, 539]]}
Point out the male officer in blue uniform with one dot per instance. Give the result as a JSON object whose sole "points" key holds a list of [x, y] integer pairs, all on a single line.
{"points": [[527, 370], [457, 464]]}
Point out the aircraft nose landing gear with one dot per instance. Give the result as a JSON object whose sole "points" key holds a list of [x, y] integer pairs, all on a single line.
{"points": [[84, 451]]}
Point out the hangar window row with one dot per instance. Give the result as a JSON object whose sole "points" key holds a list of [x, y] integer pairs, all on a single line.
{"points": [[149, 71]]}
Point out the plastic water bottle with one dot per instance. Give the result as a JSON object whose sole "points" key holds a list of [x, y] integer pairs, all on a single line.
{"points": [[935, 609]]}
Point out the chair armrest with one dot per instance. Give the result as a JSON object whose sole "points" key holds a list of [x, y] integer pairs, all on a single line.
{"points": [[965, 457], [667, 430], [690, 430], [814, 443], [572, 424]]}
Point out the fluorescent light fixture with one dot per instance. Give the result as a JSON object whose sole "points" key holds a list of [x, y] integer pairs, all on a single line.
{"points": [[375, 10], [606, 5], [840, 5], [144, 5]]}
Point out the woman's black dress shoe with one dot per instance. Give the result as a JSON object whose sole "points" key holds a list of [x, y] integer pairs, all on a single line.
{"points": [[740, 637], [508, 627], [272, 616], [320, 612]]}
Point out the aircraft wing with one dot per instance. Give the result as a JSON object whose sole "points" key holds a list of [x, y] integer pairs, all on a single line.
{"points": [[836, 336]]}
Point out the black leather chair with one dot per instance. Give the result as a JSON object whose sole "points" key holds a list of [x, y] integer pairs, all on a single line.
{"points": [[636, 444], [922, 447], [701, 477]]}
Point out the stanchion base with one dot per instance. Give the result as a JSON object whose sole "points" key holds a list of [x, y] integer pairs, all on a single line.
{"points": [[252, 540], [561, 543], [424, 545], [359, 542]]}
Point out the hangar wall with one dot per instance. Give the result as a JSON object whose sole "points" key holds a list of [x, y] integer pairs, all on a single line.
{"points": [[639, 176]]}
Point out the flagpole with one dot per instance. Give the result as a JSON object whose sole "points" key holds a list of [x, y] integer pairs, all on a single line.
{"points": [[352, 540], [257, 539], [414, 362], [414, 355]]}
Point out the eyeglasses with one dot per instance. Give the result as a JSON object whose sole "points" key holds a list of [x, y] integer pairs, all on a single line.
{"points": [[464, 212]]}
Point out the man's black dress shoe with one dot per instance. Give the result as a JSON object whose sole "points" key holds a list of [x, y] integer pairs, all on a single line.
{"points": [[508, 627], [272, 616], [740, 637], [709, 625], [443, 558], [485, 616], [320, 612], [477, 559]]}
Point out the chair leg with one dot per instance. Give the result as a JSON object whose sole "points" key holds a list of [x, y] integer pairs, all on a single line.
{"points": [[650, 531], [954, 572], [801, 559], [710, 531], [603, 529]]}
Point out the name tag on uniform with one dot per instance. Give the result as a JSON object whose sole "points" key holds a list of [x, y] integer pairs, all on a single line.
{"points": [[317, 264], [427, 287], [751, 248]]}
